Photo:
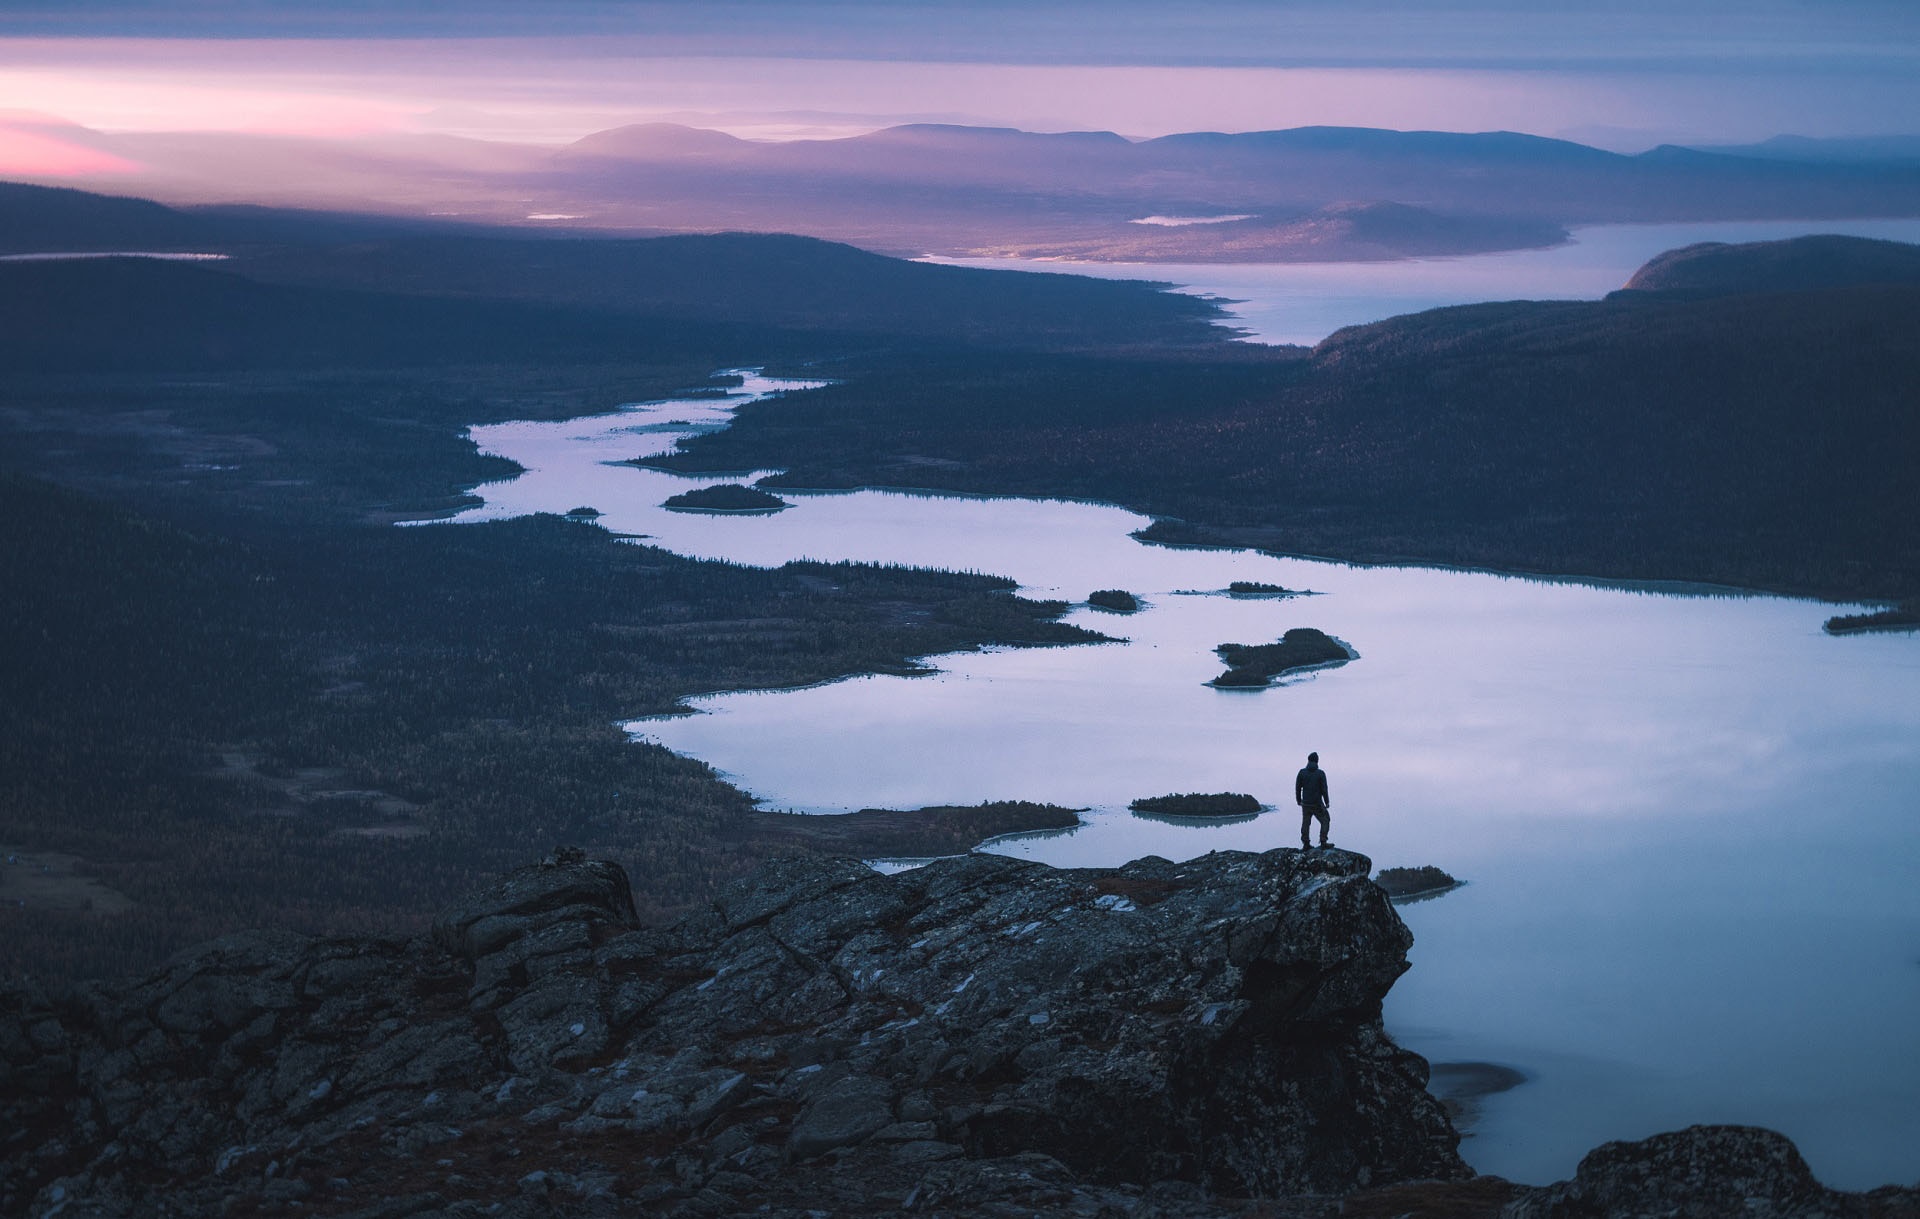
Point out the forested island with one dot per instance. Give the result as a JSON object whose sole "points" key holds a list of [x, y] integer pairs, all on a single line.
{"points": [[726, 497], [1898, 618], [1198, 804], [1117, 600], [1408, 884], [1252, 666], [940, 830], [1254, 588]]}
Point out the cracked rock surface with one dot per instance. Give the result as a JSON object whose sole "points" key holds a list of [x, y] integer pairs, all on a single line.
{"points": [[983, 1036]]}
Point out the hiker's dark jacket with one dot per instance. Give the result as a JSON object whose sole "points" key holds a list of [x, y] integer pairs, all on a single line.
{"points": [[1310, 788]]}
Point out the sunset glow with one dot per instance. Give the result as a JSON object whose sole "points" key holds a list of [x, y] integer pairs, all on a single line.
{"points": [[554, 90], [25, 153]]}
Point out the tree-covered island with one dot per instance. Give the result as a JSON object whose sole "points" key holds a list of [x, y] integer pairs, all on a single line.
{"points": [[1903, 617], [727, 497], [1115, 600], [1408, 884], [1254, 588], [1198, 804], [1254, 665]]}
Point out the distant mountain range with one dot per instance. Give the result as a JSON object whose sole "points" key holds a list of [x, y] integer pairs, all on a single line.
{"points": [[1305, 194]]}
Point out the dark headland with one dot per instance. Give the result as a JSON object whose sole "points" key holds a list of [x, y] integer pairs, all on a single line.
{"points": [[1899, 618]]}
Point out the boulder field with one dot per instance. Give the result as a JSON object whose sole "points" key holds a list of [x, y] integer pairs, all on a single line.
{"points": [[979, 1037]]}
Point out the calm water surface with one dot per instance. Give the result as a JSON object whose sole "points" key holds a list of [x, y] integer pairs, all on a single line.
{"points": [[1688, 822], [1306, 302]]}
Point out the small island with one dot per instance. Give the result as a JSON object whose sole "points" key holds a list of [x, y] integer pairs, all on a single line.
{"points": [[1253, 588], [727, 497], [1253, 666], [583, 513], [1413, 884], [1198, 804], [1903, 617], [891, 833], [1114, 600]]}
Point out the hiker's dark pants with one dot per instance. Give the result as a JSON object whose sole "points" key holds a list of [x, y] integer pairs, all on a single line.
{"points": [[1307, 813]]}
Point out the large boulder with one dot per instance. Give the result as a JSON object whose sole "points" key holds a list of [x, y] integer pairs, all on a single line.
{"points": [[566, 889], [1705, 1172]]}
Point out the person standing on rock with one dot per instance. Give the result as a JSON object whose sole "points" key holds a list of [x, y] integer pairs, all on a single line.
{"points": [[1310, 793]]}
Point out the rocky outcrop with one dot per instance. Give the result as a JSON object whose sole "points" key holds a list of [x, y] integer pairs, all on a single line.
{"points": [[983, 1036], [1705, 1172], [1215, 1023]]}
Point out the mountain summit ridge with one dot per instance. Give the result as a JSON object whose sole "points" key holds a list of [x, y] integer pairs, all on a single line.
{"points": [[1158, 1039]]}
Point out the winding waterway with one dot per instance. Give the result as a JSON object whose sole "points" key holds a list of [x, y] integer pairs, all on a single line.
{"points": [[1688, 821]]}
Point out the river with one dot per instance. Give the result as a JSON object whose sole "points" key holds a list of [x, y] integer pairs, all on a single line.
{"points": [[1686, 817]]}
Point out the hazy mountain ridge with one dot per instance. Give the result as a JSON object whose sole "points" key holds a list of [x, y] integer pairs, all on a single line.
{"points": [[955, 190], [1882, 149], [1076, 188]]}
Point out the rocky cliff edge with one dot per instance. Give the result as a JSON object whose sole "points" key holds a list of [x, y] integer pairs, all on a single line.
{"points": [[983, 1036]]}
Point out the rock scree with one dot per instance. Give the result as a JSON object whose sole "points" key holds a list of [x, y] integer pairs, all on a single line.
{"points": [[981, 1036]]}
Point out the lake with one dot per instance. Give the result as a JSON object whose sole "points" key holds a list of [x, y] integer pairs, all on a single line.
{"points": [[1306, 302], [1686, 820]]}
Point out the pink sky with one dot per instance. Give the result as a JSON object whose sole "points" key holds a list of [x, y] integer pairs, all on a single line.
{"points": [[554, 90]]}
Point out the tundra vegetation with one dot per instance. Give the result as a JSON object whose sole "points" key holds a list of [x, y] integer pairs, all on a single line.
{"points": [[238, 697]]}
